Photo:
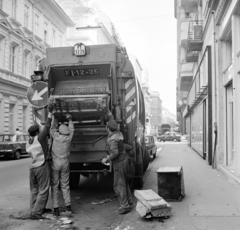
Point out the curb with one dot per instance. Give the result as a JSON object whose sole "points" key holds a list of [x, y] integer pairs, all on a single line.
{"points": [[229, 175]]}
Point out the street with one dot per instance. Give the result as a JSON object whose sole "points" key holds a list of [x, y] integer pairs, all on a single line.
{"points": [[216, 199], [14, 200]]}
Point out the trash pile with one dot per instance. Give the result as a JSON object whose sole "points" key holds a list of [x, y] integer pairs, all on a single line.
{"points": [[63, 223]]}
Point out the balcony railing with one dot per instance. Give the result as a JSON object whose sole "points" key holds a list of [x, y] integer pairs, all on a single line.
{"points": [[199, 86], [195, 33], [192, 56]]}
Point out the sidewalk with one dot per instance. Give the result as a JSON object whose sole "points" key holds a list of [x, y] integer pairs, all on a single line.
{"points": [[211, 202]]}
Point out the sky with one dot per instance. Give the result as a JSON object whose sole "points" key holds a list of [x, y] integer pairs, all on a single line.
{"points": [[148, 30]]}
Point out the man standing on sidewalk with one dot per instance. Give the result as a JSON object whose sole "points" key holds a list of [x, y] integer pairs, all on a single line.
{"points": [[60, 163], [37, 147], [121, 163]]}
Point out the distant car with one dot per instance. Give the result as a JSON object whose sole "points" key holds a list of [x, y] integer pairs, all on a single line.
{"points": [[151, 146], [169, 136], [13, 145]]}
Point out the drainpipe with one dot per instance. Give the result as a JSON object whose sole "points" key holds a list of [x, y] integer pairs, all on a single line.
{"points": [[215, 156]]}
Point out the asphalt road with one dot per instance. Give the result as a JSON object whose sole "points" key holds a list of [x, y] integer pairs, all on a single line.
{"points": [[93, 203], [13, 175]]}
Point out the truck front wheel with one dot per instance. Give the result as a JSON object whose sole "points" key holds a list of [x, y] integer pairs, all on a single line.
{"points": [[74, 179]]}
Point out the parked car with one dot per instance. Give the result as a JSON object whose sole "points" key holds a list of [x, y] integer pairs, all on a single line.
{"points": [[13, 145], [151, 146], [169, 136]]}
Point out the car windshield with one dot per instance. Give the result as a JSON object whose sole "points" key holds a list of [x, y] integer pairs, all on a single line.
{"points": [[20, 137], [5, 138]]}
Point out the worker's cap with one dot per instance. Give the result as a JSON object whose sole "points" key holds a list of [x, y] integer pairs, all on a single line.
{"points": [[33, 130], [112, 125], [63, 129]]}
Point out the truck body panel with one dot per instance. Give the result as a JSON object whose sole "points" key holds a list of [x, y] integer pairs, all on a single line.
{"points": [[88, 87]]}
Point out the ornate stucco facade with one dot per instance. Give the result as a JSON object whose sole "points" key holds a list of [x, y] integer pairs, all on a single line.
{"points": [[27, 28]]}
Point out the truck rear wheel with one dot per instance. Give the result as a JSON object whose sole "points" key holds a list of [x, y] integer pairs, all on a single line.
{"points": [[74, 179], [137, 183]]}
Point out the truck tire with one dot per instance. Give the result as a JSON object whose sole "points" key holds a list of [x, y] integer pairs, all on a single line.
{"points": [[137, 183], [74, 178]]}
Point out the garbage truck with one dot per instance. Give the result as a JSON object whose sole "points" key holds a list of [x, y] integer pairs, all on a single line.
{"points": [[91, 83]]}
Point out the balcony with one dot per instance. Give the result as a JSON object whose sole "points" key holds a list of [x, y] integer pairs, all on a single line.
{"points": [[185, 81], [184, 33], [189, 5], [192, 56], [195, 33]]}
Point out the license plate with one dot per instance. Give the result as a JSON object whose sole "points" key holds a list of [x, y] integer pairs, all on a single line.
{"points": [[79, 49]]}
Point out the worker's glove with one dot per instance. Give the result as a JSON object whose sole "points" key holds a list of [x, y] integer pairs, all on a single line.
{"points": [[105, 160], [68, 116], [51, 104]]}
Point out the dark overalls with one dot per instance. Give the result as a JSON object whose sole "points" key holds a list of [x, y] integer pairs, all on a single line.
{"points": [[119, 159]]}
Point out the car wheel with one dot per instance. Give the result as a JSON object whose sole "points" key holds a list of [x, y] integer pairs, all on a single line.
{"points": [[17, 154], [154, 155], [174, 140]]}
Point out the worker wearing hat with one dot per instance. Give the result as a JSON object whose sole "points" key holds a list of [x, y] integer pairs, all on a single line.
{"points": [[37, 148], [60, 163], [119, 158]]}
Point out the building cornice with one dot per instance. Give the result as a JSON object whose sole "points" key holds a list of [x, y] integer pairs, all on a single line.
{"points": [[2, 13], [220, 12]]}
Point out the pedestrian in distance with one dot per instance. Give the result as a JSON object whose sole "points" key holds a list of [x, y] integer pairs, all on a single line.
{"points": [[37, 148], [121, 163], [62, 138], [16, 135], [18, 131]]}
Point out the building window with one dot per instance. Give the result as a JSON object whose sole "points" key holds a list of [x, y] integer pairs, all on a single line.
{"points": [[36, 24], [45, 32], [60, 40], [2, 52], [24, 117], [26, 64], [14, 9], [53, 37], [12, 58], [37, 58], [229, 51], [11, 117], [26, 16]]}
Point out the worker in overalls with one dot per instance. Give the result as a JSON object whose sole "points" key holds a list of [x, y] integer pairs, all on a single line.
{"points": [[37, 148], [62, 138], [120, 161]]}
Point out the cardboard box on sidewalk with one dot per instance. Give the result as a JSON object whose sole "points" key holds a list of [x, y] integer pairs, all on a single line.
{"points": [[171, 183], [151, 204]]}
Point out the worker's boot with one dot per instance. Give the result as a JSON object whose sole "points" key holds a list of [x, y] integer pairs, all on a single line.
{"points": [[68, 211], [68, 208], [56, 211]]}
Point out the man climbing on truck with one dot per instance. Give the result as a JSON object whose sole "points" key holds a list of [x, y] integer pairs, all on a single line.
{"points": [[60, 164]]}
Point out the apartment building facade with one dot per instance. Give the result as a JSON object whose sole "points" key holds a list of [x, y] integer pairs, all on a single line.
{"points": [[208, 91], [27, 28], [92, 26]]}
